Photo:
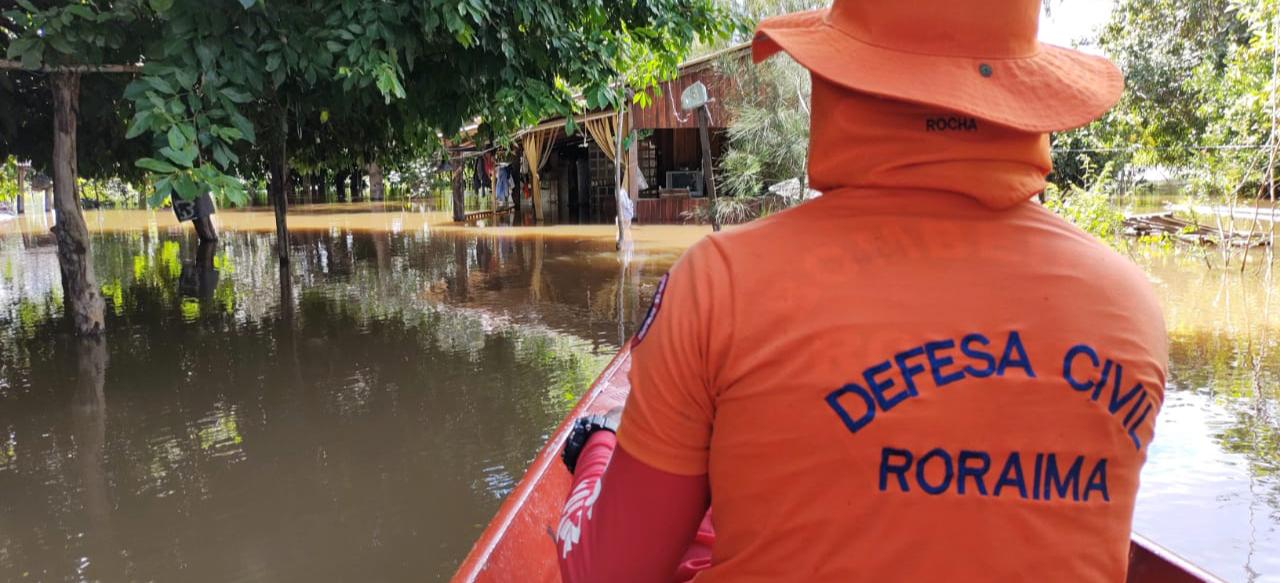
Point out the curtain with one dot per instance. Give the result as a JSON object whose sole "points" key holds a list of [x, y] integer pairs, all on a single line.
{"points": [[537, 148], [604, 131]]}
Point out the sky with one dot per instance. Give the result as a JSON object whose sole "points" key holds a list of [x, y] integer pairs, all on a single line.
{"points": [[1072, 20]]}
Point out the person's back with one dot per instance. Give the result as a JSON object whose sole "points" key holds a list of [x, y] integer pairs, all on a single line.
{"points": [[920, 375]]}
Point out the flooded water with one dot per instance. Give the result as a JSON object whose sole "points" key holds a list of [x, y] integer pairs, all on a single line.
{"points": [[363, 418]]}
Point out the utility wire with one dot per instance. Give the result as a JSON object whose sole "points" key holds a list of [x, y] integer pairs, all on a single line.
{"points": [[1165, 148]]}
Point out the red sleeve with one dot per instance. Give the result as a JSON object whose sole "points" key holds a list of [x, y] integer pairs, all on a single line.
{"points": [[635, 529]]}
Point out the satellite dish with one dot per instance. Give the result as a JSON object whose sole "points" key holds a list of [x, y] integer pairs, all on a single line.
{"points": [[694, 97]]}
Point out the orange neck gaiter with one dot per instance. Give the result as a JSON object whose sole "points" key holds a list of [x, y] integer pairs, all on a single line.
{"points": [[862, 141]]}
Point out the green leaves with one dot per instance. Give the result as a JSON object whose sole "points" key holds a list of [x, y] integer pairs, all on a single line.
{"points": [[141, 124], [235, 95], [354, 79], [1198, 76], [243, 124], [184, 157], [159, 166], [177, 140], [72, 29], [160, 85], [601, 97], [186, 78], [388, 82], [161, 6]]}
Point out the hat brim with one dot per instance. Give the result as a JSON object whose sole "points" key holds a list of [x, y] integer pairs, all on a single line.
{"points": [[1053, 90]]}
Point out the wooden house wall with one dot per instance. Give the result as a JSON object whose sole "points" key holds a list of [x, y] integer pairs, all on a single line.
{"points": [[664, 110]]}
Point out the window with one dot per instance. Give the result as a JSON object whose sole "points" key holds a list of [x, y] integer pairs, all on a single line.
{"points": [[648, 155]]}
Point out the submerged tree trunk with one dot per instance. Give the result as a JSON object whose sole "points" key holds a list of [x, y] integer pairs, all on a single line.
{"points": [[357, 186], [205, 229], [22, 189], [377, 187], [79, 286], [459, 195], [279, 185]]}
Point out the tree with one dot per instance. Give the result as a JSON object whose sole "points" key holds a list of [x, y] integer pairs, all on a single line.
{"points": [[217, 72], [1199, 95], [768, 137]]}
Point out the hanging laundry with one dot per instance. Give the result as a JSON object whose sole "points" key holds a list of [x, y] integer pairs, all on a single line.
{"points": [[477, 174], [489, 165], [503, 183]]}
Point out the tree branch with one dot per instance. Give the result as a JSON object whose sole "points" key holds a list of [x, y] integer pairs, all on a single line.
{"points": [[6, 65]]}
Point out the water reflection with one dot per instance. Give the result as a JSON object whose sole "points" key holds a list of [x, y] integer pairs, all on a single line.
{"points": [[361, 414], [358, 417], [1211, 490]]}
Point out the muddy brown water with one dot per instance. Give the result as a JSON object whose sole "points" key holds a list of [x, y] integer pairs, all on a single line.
{"points": [[363, 418]]}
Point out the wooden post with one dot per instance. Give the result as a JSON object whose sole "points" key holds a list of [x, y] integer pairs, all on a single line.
{"points": [[535, 184], [708, 175], [517, 190], [459, 192], [80, 292], [624, 224], [22, 189], [280, 184]]}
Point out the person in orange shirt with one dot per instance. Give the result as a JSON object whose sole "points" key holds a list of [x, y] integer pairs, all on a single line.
{"points": [[921, 375]]}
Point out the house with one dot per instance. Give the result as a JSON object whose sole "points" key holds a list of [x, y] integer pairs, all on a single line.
{"points": [[574, 175]]}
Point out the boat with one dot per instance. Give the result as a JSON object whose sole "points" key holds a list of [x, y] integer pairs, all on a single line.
{"points": [[518, 544]]}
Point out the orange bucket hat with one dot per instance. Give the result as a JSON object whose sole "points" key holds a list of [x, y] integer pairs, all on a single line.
{"points": [[975, 57]]}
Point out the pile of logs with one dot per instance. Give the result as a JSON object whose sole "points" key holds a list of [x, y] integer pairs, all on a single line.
{"points": [[1186, 231]]}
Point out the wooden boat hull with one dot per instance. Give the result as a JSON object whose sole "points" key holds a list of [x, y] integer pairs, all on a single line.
{"points": [[519, 546]]}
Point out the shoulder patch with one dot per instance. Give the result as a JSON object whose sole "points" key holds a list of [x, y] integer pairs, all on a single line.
{"points": [[653, 312]]}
